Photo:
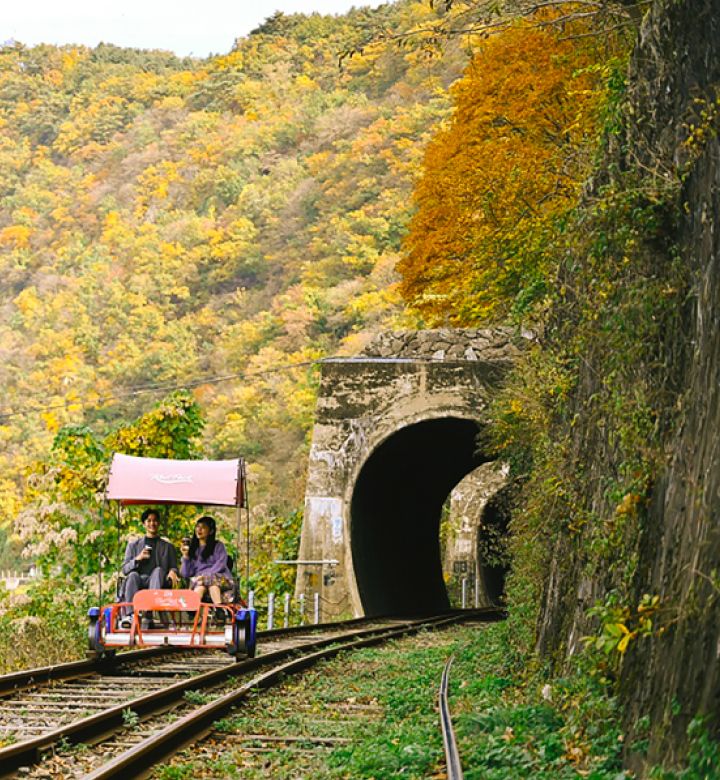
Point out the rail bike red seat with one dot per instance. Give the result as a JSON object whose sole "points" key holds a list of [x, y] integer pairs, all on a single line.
{"points": [[166, 601]]}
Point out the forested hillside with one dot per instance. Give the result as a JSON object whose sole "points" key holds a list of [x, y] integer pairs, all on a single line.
{"points": [[181, 239], [165, 222]]}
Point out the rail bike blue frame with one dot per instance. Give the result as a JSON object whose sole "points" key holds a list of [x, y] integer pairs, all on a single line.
{"points": [[238, 635]]}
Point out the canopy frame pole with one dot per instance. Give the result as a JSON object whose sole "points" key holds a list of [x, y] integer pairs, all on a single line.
{"points": [[246, 503], [118, 520], [241, 493], [238, 523], [104, 511]]}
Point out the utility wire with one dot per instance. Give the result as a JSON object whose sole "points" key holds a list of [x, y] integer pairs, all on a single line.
{"points": [[165, 387]]}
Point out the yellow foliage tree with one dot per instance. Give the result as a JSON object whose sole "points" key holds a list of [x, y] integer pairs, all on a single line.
{"points": [[499, 178]]}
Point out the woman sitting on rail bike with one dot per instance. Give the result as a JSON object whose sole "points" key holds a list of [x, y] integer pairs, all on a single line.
{"points": [[205, 563]]}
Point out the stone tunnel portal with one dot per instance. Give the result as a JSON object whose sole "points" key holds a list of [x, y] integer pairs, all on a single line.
{"points": [[395, 514]]}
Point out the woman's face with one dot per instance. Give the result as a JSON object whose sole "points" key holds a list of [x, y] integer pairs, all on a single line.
{"points": [[202, 531]]}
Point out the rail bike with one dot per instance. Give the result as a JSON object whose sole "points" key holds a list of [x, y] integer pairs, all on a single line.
{"points": [[174, 617]]}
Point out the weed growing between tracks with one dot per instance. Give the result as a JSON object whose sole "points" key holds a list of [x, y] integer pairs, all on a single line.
{"points": [[376, 709]]}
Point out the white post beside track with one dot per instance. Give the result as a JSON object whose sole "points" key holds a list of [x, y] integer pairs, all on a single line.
{"points": [[286, 611], [302, 609], [317, 608], [464, 592], [271, 610]]}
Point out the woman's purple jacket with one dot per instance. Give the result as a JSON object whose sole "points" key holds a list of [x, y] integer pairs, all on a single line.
{"points": [[217, 563]]}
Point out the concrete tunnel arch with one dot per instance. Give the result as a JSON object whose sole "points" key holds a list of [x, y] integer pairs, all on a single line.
{"points": [[395, 514]]}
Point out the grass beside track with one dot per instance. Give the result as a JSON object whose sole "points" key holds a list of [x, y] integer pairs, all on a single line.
{"points": [[377, 710]]}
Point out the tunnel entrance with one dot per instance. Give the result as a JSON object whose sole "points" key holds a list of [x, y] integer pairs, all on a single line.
{"points": [[395, 515], [492, 552]]}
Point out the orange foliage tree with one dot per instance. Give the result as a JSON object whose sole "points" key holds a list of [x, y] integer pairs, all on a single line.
{"points": [[499, 180]]}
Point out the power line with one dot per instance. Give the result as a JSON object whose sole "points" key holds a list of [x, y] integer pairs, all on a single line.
{"points": [[161, 387]]}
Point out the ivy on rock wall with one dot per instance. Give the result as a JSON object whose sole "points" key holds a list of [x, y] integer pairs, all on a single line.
{"points": [[608, 421]]}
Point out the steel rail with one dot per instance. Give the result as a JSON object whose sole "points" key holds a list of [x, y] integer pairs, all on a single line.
{"points": [[16, 681], [25, 678], [93, 727], [139, 760], [452, 756]]}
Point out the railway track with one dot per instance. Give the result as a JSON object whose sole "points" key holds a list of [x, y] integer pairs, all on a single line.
{"points": [[341, 716], [119, 718]]}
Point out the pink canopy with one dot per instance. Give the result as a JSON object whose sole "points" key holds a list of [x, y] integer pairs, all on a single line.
{"points": [[159, 481]]}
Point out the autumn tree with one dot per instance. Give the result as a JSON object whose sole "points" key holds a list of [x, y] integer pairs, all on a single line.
{"points": [[500, 178], [62, 524]]}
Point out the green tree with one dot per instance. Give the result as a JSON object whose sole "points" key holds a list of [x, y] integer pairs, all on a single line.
{"points": [[64, 524]]}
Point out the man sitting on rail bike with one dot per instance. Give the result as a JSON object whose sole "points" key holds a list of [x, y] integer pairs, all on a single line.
{"points": [[149, 562]]}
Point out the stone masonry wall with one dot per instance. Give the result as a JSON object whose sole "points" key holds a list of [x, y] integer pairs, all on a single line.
{"points": [[447, 344]]}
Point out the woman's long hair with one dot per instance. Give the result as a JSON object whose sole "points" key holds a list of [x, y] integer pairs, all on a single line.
{"points": [[209, 545]]}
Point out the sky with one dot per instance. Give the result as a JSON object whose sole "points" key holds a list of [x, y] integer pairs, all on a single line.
{"points": [[186, 27]]}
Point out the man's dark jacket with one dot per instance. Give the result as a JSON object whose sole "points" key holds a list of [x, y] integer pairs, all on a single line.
{"points": [[165, 555]]}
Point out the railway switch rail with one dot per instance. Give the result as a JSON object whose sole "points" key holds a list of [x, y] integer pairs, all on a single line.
{"points": [[452, 755]]}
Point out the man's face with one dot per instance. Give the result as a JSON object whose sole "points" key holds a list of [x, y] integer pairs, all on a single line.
{"points": [[152, 524]]}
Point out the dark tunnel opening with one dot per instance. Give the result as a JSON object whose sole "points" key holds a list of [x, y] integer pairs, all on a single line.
{"points": [[395, 515], [492, 552]]}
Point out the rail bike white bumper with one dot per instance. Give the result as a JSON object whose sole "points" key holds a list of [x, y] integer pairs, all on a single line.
{"points": [[153, 637]]}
